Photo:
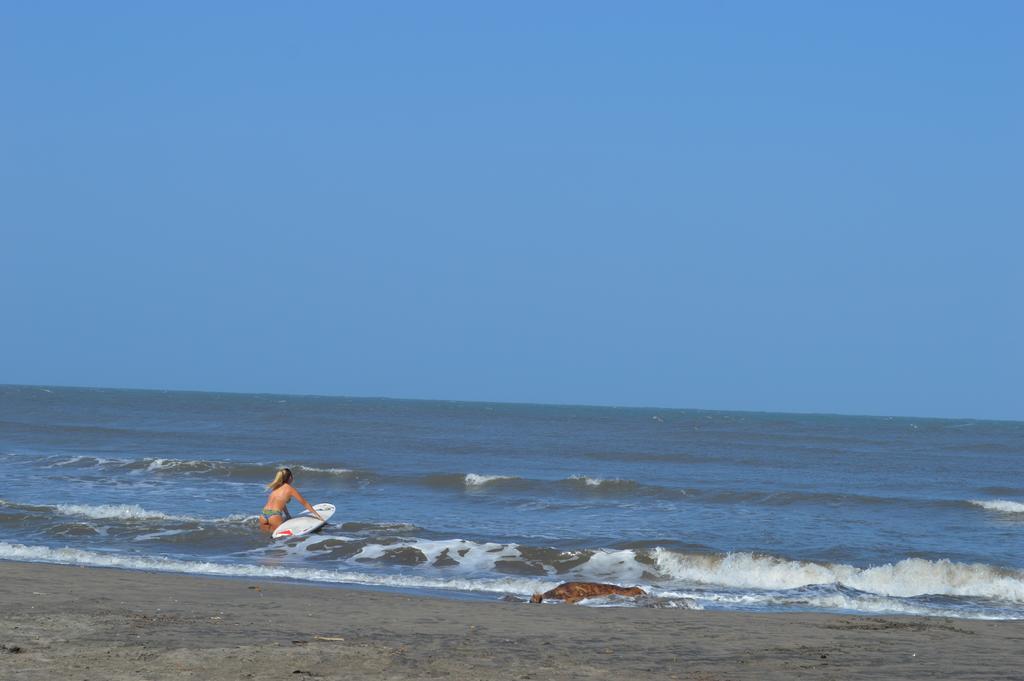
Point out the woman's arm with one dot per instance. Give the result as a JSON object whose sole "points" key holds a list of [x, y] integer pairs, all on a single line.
{"points": [[299, 498]]}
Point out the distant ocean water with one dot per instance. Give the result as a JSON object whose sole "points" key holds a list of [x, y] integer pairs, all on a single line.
{"points": [[714, 510]]}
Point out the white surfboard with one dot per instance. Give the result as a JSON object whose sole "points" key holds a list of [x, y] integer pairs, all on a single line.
{"points": [[304, 523]]}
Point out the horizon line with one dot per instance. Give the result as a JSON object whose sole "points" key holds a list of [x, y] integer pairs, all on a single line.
{"points": [[509, 403]]}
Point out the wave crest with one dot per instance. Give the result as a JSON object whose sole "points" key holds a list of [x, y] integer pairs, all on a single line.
{"points": [[132, 512], [603, 484], [476, 480], [69, 556], [906, 578], [1000, 505], [115, 511]]}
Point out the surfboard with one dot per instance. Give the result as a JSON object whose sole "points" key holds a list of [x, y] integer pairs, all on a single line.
{"points": [[304, 523]]}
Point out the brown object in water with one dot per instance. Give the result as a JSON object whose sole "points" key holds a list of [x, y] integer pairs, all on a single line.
{"points": [[574, 592]]}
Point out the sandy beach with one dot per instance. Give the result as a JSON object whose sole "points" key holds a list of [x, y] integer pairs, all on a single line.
{"points": [[77, 623]]}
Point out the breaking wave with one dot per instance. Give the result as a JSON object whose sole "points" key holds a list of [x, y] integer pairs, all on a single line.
{"points": [[911, 586], [127, 512], [169, 466], [1001, 506], [68, 556], [578, 484], [326, 471], [906, 578], [475, 480], [613, 483], [115, 511]]}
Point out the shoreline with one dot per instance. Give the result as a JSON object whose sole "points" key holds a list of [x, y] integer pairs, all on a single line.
{"points": [[75, 622]]}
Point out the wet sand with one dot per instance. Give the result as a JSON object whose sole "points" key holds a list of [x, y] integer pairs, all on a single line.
{"points": [[62, 622]]}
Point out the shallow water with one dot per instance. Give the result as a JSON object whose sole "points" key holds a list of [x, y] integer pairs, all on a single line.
{"points": [[704, 509]]}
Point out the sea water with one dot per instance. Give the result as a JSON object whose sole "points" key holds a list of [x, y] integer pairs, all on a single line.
{"points": [[703, 509]]}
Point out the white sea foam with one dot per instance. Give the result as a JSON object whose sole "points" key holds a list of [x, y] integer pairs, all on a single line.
{"points": [[863, 603], [161, 464], [773, 581], [1000, 505], [591, 482], [183, 464], [617, 566], [69, 556], [603, 483], [758, 573], [475, 480], [908, 577], [115, 511], [201, 466], [472, 557], [329, 471], [133, 512]]}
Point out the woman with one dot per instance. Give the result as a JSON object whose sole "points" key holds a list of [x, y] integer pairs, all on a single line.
{"points": [[281, 492]]}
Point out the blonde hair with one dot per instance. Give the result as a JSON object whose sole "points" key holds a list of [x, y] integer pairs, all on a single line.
{"points": [[284, 475]]}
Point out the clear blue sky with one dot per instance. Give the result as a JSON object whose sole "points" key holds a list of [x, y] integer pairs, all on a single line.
{"points": [[792, 206]]}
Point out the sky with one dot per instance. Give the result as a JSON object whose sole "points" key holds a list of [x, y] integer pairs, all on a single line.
{"points": [[792, 206]]}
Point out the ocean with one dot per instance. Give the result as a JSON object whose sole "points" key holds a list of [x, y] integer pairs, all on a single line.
{"points": [[704, 509]]}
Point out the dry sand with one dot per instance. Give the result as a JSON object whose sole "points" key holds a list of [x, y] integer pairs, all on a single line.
{"points": [[74, 623]]}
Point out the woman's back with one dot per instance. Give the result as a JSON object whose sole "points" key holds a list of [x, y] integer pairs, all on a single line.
{"points": [[280, 497], [281, 492]]}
